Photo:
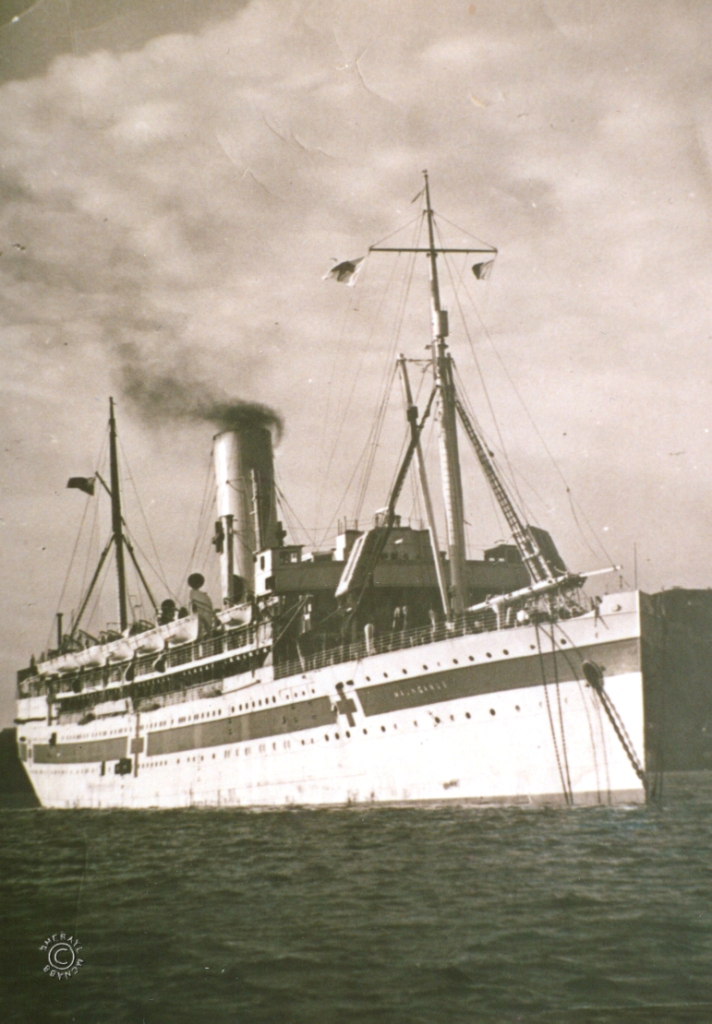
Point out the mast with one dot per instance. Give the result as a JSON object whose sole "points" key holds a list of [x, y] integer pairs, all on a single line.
{"points": [[116, 521], [445, 388], [449, 454]]}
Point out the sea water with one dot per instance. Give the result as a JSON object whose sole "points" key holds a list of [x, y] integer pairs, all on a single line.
{"points": [[393, 914]]}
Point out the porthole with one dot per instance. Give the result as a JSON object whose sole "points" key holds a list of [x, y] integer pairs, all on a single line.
{"points": [[492, 711], [437, 720], [383, 728], [488, 654], [415, 724], [471, 657], [425, 668], [455, 661], [336, 735], [405, 671], [562, 642], [348, 735], [468, 715], [365, 732], [517, 708], [505, 651], [326, 738], [385, 675]]}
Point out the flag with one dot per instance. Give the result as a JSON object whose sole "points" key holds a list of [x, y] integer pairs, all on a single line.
{"points": [[482, 270], [82, 483], [346, 272]]}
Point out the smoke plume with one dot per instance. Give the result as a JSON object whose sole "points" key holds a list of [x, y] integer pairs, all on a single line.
{"points": [[160, 397]]}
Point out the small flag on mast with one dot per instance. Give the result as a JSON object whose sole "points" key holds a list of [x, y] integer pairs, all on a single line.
{"points": [[482, 270], [82, 483], [346, 272]]}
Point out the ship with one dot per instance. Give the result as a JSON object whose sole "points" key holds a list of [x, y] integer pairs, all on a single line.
{"points": [[385, 670]]}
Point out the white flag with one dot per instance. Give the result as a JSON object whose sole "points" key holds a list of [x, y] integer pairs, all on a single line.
{"points": [[346, 272], [482, 270]]}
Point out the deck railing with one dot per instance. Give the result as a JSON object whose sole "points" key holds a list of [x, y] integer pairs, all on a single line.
{"points": [[395, 640]]}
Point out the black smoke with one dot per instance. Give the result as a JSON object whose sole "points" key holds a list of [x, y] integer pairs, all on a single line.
{"points": [[160, 396]]}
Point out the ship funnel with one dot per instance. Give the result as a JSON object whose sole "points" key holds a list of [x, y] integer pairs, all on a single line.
{"points": [[246, 507]]}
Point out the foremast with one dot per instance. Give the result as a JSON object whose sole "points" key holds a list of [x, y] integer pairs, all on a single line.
{"points": [[116, 520]]}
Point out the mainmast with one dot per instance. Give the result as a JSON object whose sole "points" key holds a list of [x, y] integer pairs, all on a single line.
{"points": [[116, 520], [445, 388], [449, 455]]}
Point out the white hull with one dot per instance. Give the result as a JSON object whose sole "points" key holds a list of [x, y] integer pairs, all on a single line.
{"points": [[514, 744]]}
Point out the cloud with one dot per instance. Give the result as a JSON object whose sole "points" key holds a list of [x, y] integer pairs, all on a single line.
{"points": [[178, 202]]}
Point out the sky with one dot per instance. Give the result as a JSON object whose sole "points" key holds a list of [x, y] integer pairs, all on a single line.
{"points": [[177, 177]]}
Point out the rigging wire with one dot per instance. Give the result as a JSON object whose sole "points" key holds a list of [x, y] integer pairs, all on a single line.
{"points": [[572, 501], [100, 455], [418, 217], [552, 729], [337, 357], [69, 568], [356, 377], [363, 468], [561, 714], [477, 364], [92, 543], [161, 577], [204, 507], [468, 233], [377, 425], [101, 582], [286, 506], [515, 498], [400, 316]]}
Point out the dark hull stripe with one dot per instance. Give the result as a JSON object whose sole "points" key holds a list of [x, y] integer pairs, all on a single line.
{"points": [[381, 698], [471, 680], [80, 753], [255, 725]]}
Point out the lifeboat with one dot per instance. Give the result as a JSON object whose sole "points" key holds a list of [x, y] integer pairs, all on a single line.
{"points": [[150, 643], [236, 615], [183, 631], [92, 657], [120, 650]]}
